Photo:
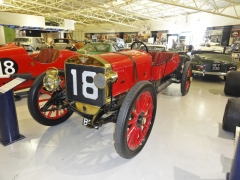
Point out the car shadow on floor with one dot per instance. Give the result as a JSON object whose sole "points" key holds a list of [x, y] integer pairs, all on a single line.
{"points": [[89, 151]]}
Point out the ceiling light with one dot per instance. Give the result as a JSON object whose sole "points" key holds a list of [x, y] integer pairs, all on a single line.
{"points": [[1, 1]]}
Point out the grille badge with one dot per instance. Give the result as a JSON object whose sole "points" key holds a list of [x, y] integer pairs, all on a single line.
{"points": [[83, 59]]}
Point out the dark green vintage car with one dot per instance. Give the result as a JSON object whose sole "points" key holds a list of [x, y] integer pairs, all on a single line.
{"points": [[100, 47], [212, 63]]}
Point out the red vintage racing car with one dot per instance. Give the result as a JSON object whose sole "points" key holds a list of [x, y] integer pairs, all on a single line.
{"points": [[16, 61], [119, 87]]}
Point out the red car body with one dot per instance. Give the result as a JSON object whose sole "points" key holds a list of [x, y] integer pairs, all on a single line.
{"points": [[151, 66], [15, 60]]}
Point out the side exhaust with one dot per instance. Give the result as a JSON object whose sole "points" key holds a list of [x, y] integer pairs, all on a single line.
{"points": [[164, 85]]}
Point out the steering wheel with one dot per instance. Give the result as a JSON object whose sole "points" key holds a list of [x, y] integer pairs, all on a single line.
{"points": [[139, 46]]}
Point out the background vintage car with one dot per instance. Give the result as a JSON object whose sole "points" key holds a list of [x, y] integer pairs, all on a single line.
{"points": [[62, 43], [235, 49], [211, 46], [212, 63], [37, 43], [154, 47], [77, 44], [16, 61], [100, 47], [184, 56], [128, 45]]}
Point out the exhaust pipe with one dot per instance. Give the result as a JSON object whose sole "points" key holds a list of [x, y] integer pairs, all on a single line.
{"points": [[164, 85]]}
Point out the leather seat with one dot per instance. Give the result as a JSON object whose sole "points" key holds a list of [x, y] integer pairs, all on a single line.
{"points": [[47, 55], [160, 58]]}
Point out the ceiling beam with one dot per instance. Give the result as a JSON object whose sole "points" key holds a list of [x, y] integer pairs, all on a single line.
{"points": [[195, 8]]}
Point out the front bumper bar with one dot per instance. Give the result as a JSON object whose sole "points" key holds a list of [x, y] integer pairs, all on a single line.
{"points": [[203, 73]]}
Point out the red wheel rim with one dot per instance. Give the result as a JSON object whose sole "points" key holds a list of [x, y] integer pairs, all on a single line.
{"points": [[188, 82], [140, 120], [43, 97]]}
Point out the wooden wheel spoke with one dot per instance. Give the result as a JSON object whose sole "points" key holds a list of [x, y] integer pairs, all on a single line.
{"points": [[138, 106], [130, 130], [133, 137], [42, 100]]}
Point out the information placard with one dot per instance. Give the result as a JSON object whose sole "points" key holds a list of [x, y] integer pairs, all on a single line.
{"points": [[10, 85]]}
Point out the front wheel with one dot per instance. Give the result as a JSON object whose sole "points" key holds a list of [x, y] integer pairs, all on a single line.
{"points": [[186, 78], [231, 117], [135, 119], [232, 85], [38, 96]]}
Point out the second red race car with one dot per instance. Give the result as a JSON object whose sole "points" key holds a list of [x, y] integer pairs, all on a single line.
{"points": [[21, 61]]}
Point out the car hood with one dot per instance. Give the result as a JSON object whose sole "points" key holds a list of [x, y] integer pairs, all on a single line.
{"points": [[212, 58], [82, 51]]}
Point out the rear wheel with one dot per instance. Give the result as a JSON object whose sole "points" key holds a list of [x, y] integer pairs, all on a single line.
{"points": [[135, 119], [232, 84], [38, 96], [186, 78], [231, 117]]}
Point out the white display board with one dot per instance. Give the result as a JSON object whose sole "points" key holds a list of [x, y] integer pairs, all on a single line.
{"points": [[10, 85]]}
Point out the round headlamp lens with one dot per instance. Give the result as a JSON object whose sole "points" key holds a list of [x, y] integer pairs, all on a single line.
{"points": [[51, 80], [100, 81]]}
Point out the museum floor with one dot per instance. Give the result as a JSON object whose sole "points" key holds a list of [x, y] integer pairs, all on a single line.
{"points": [[186, 143]]}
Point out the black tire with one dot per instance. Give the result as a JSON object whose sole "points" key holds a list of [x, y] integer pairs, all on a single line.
{"points": [[186, 78], [137, 45], [145, 93], [232, 84], [34, 104], [231, 117]]}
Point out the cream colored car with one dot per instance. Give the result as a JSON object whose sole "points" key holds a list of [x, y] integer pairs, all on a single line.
{"points": [[37, 43], [212, 46]]}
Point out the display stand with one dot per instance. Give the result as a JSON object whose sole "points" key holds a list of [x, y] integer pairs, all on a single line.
{"points": [[9, 131], [235, 170]]}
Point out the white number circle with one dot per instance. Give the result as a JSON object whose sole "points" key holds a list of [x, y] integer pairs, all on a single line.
{"points": [[8, 67]]}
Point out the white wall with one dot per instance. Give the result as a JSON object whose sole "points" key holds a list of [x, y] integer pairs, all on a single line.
{"points": [[69, 24], [2, 37], [31, 21], [78, 35], [21, 20]]}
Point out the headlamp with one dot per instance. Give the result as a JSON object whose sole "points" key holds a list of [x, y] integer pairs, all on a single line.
{"points": [[51, 80], [101, 80]]}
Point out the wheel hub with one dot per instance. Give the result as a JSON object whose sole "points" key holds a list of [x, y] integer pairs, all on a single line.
{"points": [[141, 119]]}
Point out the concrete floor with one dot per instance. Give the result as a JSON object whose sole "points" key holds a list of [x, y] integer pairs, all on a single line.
{"points": [[186, 143]]}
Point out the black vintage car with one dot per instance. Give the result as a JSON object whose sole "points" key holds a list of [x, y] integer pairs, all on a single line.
{"points": [[212, 63]]}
